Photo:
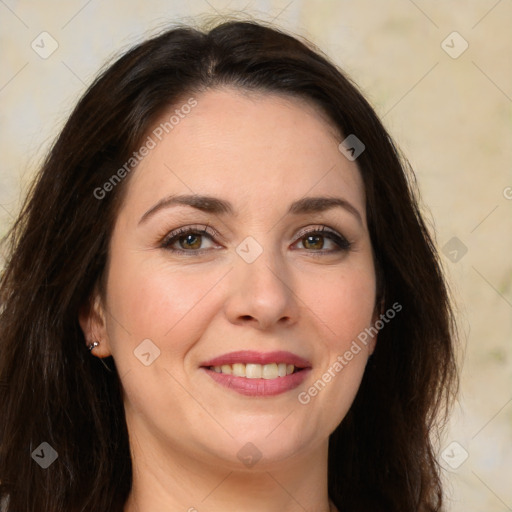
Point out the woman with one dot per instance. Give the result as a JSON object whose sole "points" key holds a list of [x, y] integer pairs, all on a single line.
{"points": [[221, 295]]}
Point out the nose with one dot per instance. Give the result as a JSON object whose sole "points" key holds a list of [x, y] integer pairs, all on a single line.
{"points": [[263, 292]]}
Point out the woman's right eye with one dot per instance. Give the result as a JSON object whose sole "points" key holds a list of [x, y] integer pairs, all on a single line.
{"points": [[187, 237]]}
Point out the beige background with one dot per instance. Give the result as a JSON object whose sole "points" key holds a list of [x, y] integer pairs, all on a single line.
{"points": [[451, 116]]}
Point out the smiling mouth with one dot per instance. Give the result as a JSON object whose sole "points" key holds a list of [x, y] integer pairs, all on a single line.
{"points": [[258, 374], [256, 371]]}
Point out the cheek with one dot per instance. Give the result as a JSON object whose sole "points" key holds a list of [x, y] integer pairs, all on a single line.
{"points": [[345, 309], [345, 304], [155, 301]]}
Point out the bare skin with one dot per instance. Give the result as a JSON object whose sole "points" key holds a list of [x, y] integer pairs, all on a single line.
{"points": [[303, 294]]}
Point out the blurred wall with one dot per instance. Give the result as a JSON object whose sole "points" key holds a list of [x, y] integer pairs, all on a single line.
{"points": [[439, 75]]}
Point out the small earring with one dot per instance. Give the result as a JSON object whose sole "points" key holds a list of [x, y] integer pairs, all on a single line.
{"points": [[93, 345]]}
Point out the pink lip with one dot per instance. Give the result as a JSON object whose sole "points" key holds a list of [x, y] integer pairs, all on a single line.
{"points": [[250, 356], [259, 387]]}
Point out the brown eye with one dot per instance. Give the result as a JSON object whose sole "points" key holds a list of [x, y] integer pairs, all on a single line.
{"points": [[189, 240], [314, 240]]}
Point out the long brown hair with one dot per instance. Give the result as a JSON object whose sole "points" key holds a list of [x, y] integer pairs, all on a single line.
{"points": [[381, 456]]}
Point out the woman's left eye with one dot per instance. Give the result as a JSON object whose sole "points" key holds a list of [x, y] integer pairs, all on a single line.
{"points": [[189, 240], [311, 237]]}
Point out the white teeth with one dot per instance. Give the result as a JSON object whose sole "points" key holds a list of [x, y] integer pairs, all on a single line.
{"points": [[239, 370], [253, 371], [270, 371], [256, 371], [226, 368]]}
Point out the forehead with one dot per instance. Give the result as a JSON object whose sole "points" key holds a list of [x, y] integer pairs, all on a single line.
{"points": [[253, 148]]}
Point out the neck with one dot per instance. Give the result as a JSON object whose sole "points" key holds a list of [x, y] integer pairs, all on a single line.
{"points": [[165, 478]]}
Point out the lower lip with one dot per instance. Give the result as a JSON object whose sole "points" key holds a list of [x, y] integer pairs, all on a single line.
{"points": [[259, 387]]}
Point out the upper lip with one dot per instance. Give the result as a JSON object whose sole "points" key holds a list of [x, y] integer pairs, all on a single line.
{"points": [[250, 356]]}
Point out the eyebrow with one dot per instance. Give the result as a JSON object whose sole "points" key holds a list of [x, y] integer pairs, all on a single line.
{"points": [[219, 206]]}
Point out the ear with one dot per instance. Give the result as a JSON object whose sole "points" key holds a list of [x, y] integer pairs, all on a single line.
{"points": [[91, 317]]}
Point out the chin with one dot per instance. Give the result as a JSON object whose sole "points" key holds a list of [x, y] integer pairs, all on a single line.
{"points": [[263, 445]]}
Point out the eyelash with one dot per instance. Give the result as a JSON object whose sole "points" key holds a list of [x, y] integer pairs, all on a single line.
{"points": [[343, 244]]}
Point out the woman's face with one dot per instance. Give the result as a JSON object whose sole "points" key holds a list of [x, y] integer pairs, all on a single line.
{"points": [[261, 286]]}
